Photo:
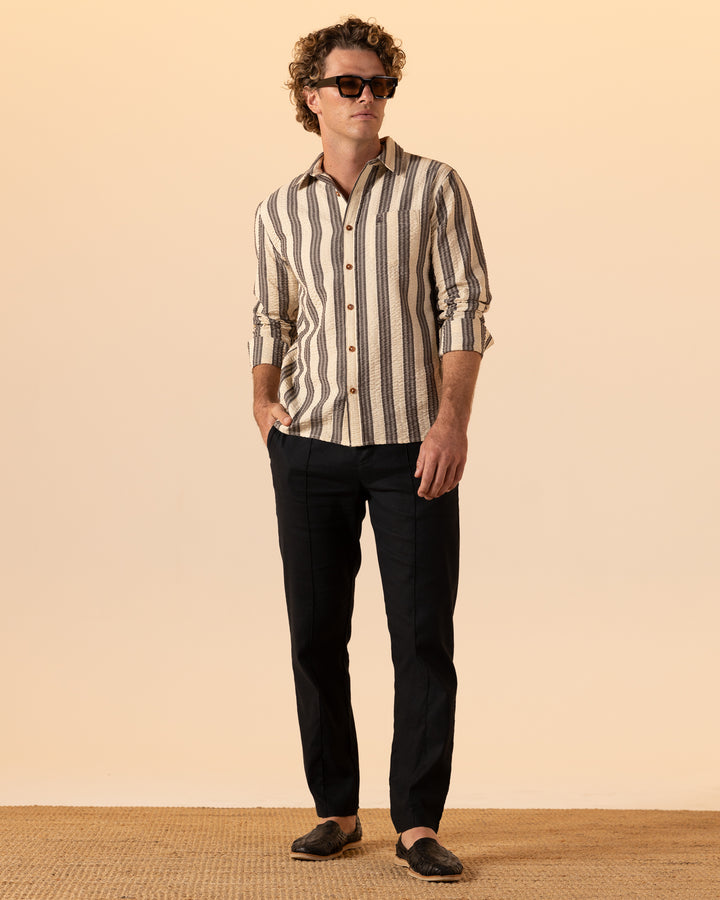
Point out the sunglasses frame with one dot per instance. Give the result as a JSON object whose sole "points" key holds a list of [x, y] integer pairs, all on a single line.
{"points": [[335, 82]]}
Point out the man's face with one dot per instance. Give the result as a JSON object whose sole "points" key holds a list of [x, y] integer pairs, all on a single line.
{"points": [[345, 118]]}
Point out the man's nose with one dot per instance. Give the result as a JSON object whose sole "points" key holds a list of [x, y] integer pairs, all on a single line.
{"points": [[367, 93]]}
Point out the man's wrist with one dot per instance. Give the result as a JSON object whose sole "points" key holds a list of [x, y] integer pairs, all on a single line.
{"points": [[450, 421]]}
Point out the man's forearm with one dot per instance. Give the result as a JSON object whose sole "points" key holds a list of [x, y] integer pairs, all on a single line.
{"points": [[442, 456], [459, 374], [266, 383], [266, 405]]}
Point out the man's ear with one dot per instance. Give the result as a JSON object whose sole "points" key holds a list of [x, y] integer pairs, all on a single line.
{"points": [[311, 99]]}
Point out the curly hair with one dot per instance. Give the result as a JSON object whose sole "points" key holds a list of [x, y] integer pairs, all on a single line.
{"points": [[311, 52]]}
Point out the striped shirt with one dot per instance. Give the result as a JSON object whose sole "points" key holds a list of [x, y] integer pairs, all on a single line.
{"points": [[357, 300]]}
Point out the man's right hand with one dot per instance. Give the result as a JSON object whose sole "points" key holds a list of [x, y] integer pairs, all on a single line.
{"points": [[266, 414]]}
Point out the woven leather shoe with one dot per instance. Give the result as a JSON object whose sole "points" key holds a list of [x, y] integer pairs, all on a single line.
{"points": [[326, 841], [429, 861]]}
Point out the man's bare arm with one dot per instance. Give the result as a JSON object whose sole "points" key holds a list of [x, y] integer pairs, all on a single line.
{"points": [[443, 453], [266, 407]]}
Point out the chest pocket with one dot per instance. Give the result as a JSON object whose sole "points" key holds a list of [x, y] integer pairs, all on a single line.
{"points": [[402, 239]]}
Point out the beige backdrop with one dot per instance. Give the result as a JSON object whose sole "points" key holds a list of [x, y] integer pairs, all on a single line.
{"points": [[145, 649]]}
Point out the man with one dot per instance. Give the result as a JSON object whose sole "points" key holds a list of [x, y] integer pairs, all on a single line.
{"points": [[370, 272]]}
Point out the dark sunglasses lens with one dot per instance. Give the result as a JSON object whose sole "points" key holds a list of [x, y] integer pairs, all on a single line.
{"points": [[349, 86], [382, 87]]}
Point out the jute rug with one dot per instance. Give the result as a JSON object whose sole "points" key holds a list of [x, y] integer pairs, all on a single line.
{"points": [[213, 854]]}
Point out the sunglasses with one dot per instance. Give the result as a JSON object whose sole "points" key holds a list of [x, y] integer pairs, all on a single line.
{"points": [[382, 86]]}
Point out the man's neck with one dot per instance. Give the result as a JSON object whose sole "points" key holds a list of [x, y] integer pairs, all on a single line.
{"points": [[344, 162]]}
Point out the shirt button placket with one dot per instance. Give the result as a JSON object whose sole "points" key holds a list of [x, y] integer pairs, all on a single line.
{"points": [[351, 355]]}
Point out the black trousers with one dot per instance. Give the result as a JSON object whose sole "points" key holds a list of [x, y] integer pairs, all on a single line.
{"points": [[321, 492]]}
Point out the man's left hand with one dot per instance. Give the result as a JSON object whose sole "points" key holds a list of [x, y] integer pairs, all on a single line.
{"points": [[441, 460]]}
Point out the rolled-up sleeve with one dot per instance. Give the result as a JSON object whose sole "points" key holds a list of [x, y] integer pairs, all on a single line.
{"points": [[276, 293], [460, 272]]}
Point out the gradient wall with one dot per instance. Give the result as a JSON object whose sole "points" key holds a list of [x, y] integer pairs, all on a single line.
{"points": [[145, 652]]}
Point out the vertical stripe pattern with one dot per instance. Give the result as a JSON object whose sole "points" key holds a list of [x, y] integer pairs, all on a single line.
{"points": [[357, 301]]}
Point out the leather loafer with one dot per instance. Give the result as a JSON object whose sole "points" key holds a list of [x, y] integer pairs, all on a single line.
{"points": [[428, 860], [326, 841]]}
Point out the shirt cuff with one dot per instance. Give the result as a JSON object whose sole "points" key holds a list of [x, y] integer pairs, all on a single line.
{"points": [[464, 334], [268, 350]]}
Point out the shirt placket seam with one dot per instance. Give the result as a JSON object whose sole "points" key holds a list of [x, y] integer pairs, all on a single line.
{"points": [[350, 286]]}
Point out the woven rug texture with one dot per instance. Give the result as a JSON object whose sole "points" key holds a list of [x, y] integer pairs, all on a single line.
{"points": [[150, 853]]}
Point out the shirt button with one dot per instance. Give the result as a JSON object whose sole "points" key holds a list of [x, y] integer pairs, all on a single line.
{"points": [[349, 227], [348, 265], [353, 391], [351, 306], [351, 349]]}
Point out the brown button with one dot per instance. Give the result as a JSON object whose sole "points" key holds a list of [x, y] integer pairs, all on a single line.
{"points": [[353, 391], [351, 306], [349, 227], [337, 193], [351, 349], [348, 265]]}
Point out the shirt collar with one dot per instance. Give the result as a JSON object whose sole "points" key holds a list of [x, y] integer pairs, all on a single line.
{"points": [[387, 158]]}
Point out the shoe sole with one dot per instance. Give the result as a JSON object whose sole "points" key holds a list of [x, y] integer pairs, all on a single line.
{"points": [[315, 857], [411, 871]]}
